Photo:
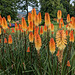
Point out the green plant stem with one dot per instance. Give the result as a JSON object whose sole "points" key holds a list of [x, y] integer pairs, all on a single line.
{"points": [[48, 46], [25, 44], [39, 62], [52, 64], [31, 51]]}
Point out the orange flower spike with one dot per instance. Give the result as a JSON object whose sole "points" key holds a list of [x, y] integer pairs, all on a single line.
{"points": [[72, 18], [4, 31], [68, 18], [28, 50], [39, 15], [8, 28], [66, 25], [9, 39], [0, 31], [24, 25], [10, 24], [61, 20], [4, 23], [36, 20], [60, 25], [71, 33], [59, 14], [61, 39], [66, 33], [57, 53], [9, 18], [68, 64], [13, 30], [5, 40], [35, 31], [0, 40], [22, 30], [31, 37], [16, 26], [49, 27], [52, 45], [31, 26], [73, 23], [38, 43], [63, 24], [45, 28], [19, 26], [0, 19], [41, 30], [57, 20], [47, 19], [71, 36], [52, 27], [52, 33], [33, 13], [30, 18]]}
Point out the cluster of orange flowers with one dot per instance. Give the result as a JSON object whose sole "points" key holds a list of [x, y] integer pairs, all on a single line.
{"points": [[34, 21]]}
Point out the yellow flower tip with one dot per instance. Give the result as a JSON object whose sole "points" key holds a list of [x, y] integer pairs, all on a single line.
{"points": [[47, 19], [52, 45], [59, 14]]}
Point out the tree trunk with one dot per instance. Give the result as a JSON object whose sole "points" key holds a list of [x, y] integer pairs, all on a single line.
{"points": [[27, 8]]}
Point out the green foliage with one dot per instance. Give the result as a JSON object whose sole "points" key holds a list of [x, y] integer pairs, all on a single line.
{"points": [[52, 6], [14, 62], [8, 7]]}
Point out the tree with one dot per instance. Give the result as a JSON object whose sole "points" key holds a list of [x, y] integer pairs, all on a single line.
{"points": [[69, 7], [74, 8], [23, 4], [66, 5], [51, 6], [8, 7]]}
